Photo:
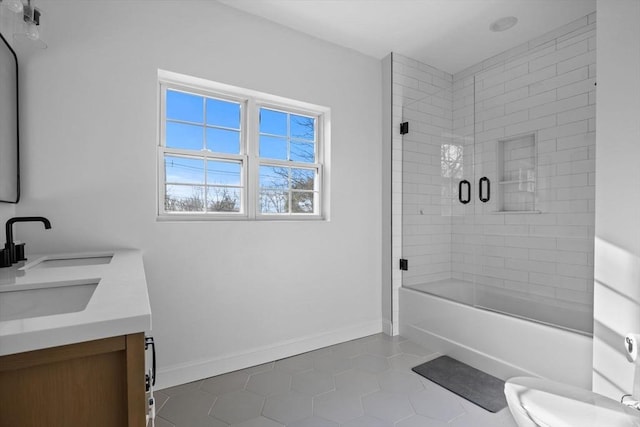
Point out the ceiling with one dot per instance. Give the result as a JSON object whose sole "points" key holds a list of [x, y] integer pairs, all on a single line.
{"points": [[448, 34]]}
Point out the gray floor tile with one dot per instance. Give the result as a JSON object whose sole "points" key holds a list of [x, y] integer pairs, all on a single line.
{"points": [[367, 421], [475, 416], [321, 352], [161, 398], [225, 383], [414, 349], [292, 365], [371, 363], [259, 368], [404, 362], [287, 408], [391, 407], [212, 422], [332, 364], [357, 381], [364, 382], [349, 349], [161, 422], [314, 422], [338, 406], [258, 422], [312, 382], [438, 403], [383, 347], [422, 421], [173, 391], [188, 408], [237, 406], [395, 339], [269, 383], [400, 382]]}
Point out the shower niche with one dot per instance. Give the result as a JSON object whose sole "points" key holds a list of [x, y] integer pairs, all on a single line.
{"points": [[516, 171]]}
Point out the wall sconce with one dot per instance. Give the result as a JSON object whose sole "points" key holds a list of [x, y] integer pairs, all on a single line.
{"points": [[27, 20], [31, 17], [14, 6]]}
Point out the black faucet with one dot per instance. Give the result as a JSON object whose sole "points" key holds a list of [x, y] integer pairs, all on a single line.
{"points": [[12, 254]]}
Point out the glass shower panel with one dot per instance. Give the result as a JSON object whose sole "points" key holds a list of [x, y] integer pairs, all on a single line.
{"points": [[434, 163]]}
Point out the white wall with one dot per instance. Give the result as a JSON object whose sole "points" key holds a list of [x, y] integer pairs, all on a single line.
{"points": [[617, 249], [7, 210], [224, 295]]}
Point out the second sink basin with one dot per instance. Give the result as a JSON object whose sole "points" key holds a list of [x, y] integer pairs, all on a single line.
{"points": [[49, 262], [45, 299]]}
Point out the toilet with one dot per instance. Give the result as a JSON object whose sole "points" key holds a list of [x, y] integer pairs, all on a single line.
{"points": [[536, 402]]}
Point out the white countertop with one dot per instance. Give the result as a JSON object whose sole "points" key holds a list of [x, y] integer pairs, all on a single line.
{"points": [[119, 305]]}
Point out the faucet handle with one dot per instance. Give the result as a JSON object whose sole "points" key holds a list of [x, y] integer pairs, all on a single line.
{"points": [[20, 252], [5, 258]]}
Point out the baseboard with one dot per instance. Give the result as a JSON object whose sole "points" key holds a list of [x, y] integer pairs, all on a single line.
{"points": [[192, 371], [479, 360]]}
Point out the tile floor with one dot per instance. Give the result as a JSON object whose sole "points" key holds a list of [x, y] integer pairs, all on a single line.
{"points": [[363, 383]]}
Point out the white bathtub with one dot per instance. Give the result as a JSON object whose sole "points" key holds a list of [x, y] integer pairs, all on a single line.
{"points": [[501, 345], [574, 317]]}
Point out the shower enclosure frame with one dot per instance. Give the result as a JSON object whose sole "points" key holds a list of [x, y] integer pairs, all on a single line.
{"points": [[411, 80]]}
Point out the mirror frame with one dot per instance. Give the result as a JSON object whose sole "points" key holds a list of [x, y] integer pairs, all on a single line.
{"points": [[17, 139]]}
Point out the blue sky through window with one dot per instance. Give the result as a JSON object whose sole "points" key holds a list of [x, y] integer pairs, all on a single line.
{"points": [[184, 107]]}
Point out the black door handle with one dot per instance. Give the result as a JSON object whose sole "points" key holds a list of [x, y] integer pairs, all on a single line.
{"points": [[466, 183], [480, 189]]}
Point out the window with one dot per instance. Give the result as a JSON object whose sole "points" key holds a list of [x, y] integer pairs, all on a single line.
{"points": [[230, 153]]}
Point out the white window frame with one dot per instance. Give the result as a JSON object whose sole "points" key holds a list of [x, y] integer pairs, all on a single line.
{"points": [[251, 102]]}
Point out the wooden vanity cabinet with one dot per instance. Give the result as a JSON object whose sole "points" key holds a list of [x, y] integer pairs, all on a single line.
{"points": [[95, 383]]}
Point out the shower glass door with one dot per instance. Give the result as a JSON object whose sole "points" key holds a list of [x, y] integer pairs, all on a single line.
{"points": [[533, 216]]}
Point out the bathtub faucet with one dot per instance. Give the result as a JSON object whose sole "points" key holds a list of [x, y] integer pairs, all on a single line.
{"points": [[12, 254]]}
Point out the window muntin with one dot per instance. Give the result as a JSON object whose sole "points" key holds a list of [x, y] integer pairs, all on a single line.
{"points": [[230, 154]]}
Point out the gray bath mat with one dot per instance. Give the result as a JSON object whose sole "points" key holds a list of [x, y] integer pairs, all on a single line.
{"points": [[476, 386]]}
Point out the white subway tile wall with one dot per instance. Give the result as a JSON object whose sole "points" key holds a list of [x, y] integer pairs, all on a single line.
{"points": [[545, 87]]}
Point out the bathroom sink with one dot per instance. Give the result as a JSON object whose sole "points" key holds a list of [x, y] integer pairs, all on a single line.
{"points": [[45, 299], [52, 262]]}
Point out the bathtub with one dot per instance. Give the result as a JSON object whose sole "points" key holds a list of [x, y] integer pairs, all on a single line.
{"points": [[499, 344]]}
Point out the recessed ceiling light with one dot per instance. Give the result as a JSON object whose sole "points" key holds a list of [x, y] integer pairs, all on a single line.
{"points": [[503, 24]]}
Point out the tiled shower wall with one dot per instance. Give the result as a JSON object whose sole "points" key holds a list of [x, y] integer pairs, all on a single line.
{"points": [[544, 87]]}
